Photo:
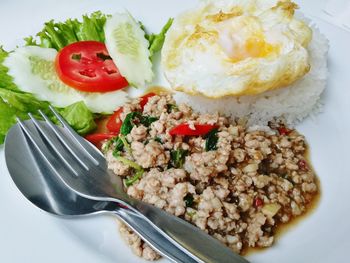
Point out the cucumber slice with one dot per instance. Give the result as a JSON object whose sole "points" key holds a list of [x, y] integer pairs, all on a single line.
{"points": [[33, 70], [128, 47]]}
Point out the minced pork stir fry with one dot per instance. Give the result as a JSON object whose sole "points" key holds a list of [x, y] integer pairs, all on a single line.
{"points": [[236, 184]]}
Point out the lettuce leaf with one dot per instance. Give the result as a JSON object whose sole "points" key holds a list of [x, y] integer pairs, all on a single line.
{"points": [[79, 117], [7, 119], [60, 34], [156, 41], [15, 103], [5, 79]]}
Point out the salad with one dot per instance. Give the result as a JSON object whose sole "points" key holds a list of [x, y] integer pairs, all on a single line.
{"points": [[82, 68]]}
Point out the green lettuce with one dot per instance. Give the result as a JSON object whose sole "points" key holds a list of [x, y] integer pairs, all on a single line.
{"points": [[57, 35], [5, 79], [15, 103], [7, 119], [156, 41], [79, 117]]}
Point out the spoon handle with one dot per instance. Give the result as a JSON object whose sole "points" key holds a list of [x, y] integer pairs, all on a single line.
{"points": [[149, 234], [190, 239]]}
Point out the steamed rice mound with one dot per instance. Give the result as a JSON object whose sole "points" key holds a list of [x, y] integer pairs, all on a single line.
{"points": [[291, 104]]}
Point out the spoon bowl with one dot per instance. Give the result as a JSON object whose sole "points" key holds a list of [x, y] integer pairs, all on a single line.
{"points": [[38, 183]]}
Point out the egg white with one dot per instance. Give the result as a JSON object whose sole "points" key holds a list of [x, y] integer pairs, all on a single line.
{"points": [[236, 47]]}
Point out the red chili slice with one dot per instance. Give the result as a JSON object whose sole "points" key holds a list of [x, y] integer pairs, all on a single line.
{"points": [[144, 99], [258, 202], [284, 131], [115, 123], [185, 130]]}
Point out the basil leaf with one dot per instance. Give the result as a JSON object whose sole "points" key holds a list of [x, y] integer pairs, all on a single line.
{"points": [[171, 107], [211, 140], [128, 123], [134, 118], [118, 145], [178, 158], [133, 179], [188, 200], [158, 139], [147, 120]]}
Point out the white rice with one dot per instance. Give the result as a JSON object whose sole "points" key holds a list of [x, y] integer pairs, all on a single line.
{"points": [[291, 104]]}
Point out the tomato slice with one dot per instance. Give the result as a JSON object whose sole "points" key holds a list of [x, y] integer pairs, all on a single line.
{"points": [[114, 122], [98, 138], [87, 66], [185, 130], [144, 99]]}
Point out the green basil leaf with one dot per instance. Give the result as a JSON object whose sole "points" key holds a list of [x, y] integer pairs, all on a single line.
{"points": [[211, 140], [189, 200], [178, 158]]}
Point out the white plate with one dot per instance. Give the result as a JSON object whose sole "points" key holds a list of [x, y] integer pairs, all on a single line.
{"points": [[29, 235]]}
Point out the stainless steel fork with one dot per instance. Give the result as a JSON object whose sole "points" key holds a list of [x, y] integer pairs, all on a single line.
{"points": [[84, 170]]}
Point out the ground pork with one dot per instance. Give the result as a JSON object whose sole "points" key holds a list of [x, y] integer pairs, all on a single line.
{"points": [[239, 191]]}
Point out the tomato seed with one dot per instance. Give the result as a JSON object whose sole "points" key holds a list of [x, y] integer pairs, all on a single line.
{"points": [[109, 71], [86, 61], [88, 73]]}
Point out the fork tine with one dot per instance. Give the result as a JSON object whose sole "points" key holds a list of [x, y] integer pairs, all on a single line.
{"points": [[76, 137], [47, 154], [64, 142], [56, 146]]}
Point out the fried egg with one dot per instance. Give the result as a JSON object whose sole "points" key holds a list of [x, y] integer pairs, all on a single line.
{"points": [[236, 47]]}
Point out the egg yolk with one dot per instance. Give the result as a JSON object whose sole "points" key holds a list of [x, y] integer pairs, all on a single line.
{"points": [[253, 47], [243, 37]]}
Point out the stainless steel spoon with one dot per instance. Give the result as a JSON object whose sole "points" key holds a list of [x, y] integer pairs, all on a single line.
{"points": [[40, 185]]}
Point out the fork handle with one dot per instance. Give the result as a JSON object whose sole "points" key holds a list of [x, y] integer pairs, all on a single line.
{"points": [[149, 234], [190, 239]]}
